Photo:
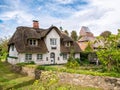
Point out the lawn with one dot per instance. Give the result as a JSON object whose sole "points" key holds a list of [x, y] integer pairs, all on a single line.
{"points": [[88, 70], [10, 80]]}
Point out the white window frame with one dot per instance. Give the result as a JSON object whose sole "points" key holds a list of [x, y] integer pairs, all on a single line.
{"points": [[67, 44], [33, 42], [28, 57], [53, 41], [64, 56], [39, 56]]}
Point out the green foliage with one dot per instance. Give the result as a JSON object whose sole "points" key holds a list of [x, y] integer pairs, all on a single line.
{"points": [[26, 63], [74, 35], [48, 81], [3, 48], [72, 62], [109, 56], [89, 47], [88, 70], [78, 60], [9, 80], [84, 58]]}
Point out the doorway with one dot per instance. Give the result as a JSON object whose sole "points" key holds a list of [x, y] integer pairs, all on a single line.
{"points": [[52, 58]]}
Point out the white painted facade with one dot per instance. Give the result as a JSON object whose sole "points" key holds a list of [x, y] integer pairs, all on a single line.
{"points": [[13, 53], [46, 57]]}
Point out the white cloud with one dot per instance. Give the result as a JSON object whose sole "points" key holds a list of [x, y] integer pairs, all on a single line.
{"points": [[65, 1], [98, 15], [20, 16]]}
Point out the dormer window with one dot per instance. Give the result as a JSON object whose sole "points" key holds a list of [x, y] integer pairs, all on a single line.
{"points": [[67, 44], [33, 42]]}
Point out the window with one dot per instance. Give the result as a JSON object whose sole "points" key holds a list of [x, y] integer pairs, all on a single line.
{"points": [[53, 48], [12, 46], [46, 58], [39, 56], [67, 44], [52, 55], [32, 42], [58, 58], [28, 57], [64, 56], [53, 41]]}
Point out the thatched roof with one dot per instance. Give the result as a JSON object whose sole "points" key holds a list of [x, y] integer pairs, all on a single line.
{"points": [[86, 39], [75, 47], [22, 34]]}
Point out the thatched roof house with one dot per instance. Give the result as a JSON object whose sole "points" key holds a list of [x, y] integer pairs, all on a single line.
{"points": [[31, 41]]}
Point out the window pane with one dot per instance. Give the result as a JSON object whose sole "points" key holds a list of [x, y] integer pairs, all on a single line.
{"points": [[30, 42], [28, 56], [53, 41], [34, 42], [64, 56], [12, 46], [39, 56]]}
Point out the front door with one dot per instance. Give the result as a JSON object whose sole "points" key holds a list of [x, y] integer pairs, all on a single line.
{"points": [[52, 58]]}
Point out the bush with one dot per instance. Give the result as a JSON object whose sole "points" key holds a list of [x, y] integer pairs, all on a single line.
{"points": [[41, 67], [26, 63], [78, 60], [84, 56], [85, 62], [21, 64], [72, 63], [31, 62]]}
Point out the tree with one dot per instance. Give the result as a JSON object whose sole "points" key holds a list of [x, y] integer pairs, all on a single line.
{"points": [[74, 35], [66, 32], [89, 47], [109, 55], [3, 47], [105, 34]]}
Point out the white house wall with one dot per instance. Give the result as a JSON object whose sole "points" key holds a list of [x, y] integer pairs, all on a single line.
{"points": [[13, 53], [54, 34], [77, 55], [43, 61]]}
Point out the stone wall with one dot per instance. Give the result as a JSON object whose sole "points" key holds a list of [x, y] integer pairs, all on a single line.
{"points": [[106, 83]]}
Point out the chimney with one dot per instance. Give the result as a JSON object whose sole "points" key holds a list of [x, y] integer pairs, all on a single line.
{"points": [[35, 24]]}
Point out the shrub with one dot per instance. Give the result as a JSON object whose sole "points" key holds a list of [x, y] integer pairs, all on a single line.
{"points": [[26, 63], [31, 62], [21, 64], [78, 60], [41, 67], [72, 63]]}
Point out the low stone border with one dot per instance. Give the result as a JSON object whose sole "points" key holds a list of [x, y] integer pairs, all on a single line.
{"points": [[106, 83]]}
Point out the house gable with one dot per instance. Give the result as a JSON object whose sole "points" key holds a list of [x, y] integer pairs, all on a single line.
{"points": [[52, 34]]}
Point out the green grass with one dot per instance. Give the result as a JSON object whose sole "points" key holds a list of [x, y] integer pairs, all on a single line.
{"points": [[8, 79], [14, 81], [58, 86], [91, 70]]}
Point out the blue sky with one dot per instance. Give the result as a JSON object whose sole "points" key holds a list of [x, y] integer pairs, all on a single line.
{"points": [[98, 15]]}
